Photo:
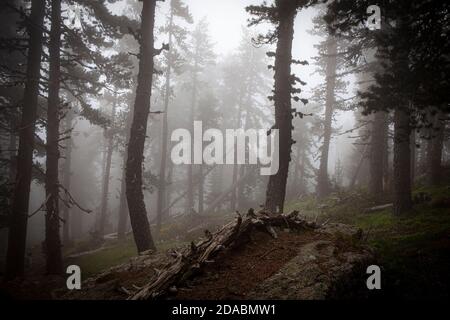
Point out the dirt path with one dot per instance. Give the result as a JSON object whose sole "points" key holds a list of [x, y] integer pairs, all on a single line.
{"points": [[236, 273]]}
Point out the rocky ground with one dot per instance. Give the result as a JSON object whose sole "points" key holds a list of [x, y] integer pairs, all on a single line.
{"points": [[283, 263]]}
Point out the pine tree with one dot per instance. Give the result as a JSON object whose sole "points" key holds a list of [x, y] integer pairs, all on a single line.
{"points": [[138, 132], [200, 55], [19, 215], [407, 50], [282, 14], [177, 42], [245, 86], [330, 64]]}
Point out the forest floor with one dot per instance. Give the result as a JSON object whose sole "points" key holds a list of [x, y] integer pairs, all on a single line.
{"points": [[413, 251]]}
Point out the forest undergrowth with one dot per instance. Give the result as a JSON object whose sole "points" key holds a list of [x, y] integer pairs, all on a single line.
{"points": [[412, 250]]}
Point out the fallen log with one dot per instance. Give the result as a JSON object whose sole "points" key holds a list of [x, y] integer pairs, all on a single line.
{"points": [[190, 261], [378, 208]]}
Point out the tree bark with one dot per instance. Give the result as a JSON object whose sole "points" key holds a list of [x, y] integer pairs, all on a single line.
{"points": [[323, 183], [135, 197], [123, 209], [276, 189], [402, 162], [377, 151], [19, 214], [52, 218]]}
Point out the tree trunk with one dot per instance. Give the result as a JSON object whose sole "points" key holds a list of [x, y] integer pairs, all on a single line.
{"points": [[168, 197], [412, 143], [377, 151], [123, 206], [323, 183], [387, 176], [217, 202], [19, 215], [358, 168], [276, 189], [295, 179], [165, 135], [12, 150], [52, 235], [190, 195], [402, 162], [135, 196], [123, 210], [67, 175], [106, 175], [435, 151]]}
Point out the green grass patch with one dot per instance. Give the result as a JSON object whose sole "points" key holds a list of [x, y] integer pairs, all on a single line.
{"points": [[96, 262], [413, 249]]}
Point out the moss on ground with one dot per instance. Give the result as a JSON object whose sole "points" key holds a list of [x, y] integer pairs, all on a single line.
{"points": [[413, 250]]}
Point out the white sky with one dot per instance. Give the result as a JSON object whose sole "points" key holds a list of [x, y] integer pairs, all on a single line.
{"points": [[226, 17]]}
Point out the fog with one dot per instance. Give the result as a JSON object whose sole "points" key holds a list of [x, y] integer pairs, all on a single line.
{"points": [[226, 21]]}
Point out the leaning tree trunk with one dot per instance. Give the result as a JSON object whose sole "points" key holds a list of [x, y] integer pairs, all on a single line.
{"points": [[52, 237], [276, 189], [19, 215], [323, 183], [377, 151], [67, 175], [106, 175], [402, 162], [162, 192], [135, 196]]}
